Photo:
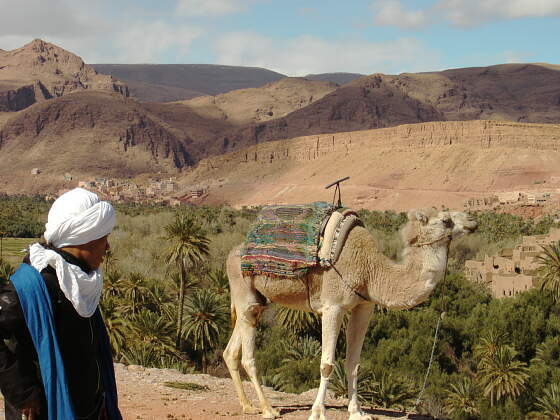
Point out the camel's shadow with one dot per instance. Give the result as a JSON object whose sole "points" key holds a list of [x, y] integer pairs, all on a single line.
{"points": [[292, 408]]}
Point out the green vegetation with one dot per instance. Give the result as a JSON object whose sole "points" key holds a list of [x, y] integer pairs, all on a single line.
{"points": [[495, 359], [188, 386]]}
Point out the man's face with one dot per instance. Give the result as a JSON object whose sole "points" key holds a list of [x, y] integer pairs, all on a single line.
{"points": [[94, 251]]}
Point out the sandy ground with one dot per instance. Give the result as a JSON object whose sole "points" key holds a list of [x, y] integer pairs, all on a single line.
{"points": [[143, 395]]}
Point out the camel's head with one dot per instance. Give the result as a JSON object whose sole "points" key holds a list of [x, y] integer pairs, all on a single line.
{"points": [[427, 227]]}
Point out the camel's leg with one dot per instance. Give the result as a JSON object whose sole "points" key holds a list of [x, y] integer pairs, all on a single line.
{"points": [[355, 334], [248, 332], [331, 321], [247, 307], [232, 357]]}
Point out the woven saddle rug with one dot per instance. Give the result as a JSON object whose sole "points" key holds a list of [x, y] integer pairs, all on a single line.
{"points": [[284, 242]]}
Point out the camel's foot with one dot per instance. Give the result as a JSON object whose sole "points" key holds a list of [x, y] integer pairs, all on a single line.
{"points": [[250, 409], [318, 415], [270, 413], [360, 416]]}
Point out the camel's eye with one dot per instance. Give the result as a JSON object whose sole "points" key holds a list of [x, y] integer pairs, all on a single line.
{"points": [[448, 223]]}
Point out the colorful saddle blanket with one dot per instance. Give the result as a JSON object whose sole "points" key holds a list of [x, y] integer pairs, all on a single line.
{"points": [[285, 240]]}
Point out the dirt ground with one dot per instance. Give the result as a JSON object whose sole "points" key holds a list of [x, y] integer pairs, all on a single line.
{"points": [[143, 395]]}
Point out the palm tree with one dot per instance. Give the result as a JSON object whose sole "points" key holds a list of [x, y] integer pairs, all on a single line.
{"points": [[136, 291], [205, 316], [188, 247], [549, 403], [389, 391], [549, 271], [488, 346], [153, 329], [461, 399], [501, 375], [219, 282], [306, 348], [298, 322], [6, 270], [113, 284]]}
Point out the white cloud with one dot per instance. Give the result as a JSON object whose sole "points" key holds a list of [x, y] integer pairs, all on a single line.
{"points": [[462, 13], [198, 8], [392, 13], [151, 42], [307, 54], [474, 12], [49, 18]]}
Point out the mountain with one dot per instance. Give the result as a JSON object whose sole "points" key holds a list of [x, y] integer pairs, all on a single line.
{"points": [[338, 78], [508, 92], [88, 133], [268, 102], [426, 164], [40, 70], [207, 79]]}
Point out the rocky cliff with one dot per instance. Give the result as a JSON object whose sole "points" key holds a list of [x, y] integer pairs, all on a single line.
{"points": [[398, 167], [40, 70], [90, 132]]}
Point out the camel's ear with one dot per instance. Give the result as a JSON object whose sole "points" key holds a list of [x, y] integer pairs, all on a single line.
{"points": [[418, 215]]}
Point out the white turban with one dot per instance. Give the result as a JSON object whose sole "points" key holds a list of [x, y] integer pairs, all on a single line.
{"points": [[78, 217]]}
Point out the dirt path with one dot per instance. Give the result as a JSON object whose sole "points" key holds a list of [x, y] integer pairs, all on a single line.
{"points": [[143, 395]]}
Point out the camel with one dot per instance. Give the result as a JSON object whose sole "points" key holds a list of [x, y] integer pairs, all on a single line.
{"points": [[361, 278]]}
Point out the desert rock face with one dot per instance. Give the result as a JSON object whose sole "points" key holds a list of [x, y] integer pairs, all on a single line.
{"points": [[90, 132], [40, 70], [271, 101], [392, 168]]}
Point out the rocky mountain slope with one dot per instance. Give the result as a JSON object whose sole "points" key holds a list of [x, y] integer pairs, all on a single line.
{"points": [[435, 163], [265, 103], [206, 79], [87, 133], [509, 92], [40, 70]]}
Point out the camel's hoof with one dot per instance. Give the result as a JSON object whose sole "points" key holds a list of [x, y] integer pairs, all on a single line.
{"points": [[272, 413], [249, 409], [317, 416]]}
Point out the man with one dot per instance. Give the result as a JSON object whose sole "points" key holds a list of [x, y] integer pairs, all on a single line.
{"points": [[55, 359]]}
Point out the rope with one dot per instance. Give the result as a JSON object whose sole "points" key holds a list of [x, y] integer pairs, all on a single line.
{"points": [[419, 399], [430, 363]]}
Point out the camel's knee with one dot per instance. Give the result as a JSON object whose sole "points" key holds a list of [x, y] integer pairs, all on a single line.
{"points": [[326, 370], [231, 357], [250, 366], [252, 313]]}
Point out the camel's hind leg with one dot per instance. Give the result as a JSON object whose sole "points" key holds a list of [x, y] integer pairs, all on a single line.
{"points": [[246, 308]]}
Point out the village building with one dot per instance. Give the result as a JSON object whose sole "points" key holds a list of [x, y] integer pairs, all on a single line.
{"points": [[512, 270]]}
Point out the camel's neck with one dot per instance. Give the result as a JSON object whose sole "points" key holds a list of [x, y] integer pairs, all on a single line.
{"points": [[404, 285]]}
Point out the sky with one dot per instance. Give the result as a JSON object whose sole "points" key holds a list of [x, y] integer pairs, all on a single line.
{"points": [[293, 37]]}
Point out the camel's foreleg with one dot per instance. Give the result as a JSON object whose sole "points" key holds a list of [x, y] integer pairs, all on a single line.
{"points": [[331, 321], [355, 334]]}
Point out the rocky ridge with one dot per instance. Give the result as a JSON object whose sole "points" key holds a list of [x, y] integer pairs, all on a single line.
{"points": [[392, 168], [40, 70], [91, 132]]}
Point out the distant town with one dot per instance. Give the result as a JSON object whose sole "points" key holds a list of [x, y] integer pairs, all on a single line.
{"points": [[155, 190]]}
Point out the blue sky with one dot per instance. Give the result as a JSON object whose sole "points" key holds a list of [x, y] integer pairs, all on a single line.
{"points": [[293, 37]]}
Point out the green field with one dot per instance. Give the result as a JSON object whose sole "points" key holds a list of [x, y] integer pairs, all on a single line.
{"points": [[12, 248]]}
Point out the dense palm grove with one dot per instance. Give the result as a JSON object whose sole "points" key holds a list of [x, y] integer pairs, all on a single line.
{"points": [[166, 304]]}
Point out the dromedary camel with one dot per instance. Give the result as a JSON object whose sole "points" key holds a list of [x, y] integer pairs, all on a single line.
{"points": [[363, 278]]}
